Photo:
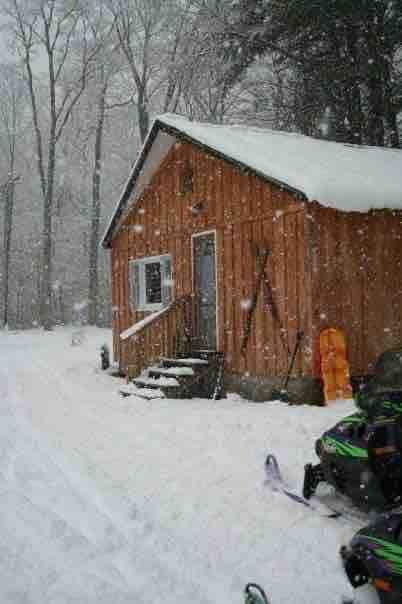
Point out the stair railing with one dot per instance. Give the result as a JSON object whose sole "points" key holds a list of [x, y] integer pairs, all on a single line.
{"points": [[169, 334]]}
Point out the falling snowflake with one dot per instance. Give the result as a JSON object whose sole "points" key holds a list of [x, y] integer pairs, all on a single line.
{"points": [[79, 306], [245, 304]]}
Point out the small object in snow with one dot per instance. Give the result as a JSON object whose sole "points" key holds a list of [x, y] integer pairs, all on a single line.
{"points": [[254, 594], [77, 337], [105, 357]]}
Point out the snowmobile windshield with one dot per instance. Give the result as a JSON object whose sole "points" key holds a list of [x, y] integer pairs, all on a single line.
{"points": [[378, 401], [387, 372]]}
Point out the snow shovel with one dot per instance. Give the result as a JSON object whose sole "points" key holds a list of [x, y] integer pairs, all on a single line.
{"points": [[282, 394]]}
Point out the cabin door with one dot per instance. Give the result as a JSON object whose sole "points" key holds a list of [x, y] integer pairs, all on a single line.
{"points": [[204, 281]]}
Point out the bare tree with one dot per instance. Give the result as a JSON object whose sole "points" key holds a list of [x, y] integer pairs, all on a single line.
{"points": [[155, 38], [55, 35], [12, 102]]}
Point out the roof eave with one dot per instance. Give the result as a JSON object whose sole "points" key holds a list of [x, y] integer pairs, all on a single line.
{"points": [[107, 238]]}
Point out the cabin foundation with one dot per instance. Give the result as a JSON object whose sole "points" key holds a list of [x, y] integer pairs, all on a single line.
{"points": [[302, 390]]}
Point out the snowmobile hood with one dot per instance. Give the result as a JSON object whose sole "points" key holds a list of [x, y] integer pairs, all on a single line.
{"points": [[339, 446], [344, 438]]}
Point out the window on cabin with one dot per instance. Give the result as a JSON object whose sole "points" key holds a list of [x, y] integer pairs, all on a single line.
{"points": [[150, 283]]}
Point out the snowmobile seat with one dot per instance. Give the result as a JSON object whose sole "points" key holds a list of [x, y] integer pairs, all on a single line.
{"points": [[388, 368]]}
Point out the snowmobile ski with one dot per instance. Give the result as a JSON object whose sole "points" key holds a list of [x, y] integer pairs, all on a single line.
{"points": [[254, 594], [275, 481], [341, 508]]}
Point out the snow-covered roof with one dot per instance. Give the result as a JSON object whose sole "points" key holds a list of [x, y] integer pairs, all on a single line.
{"points": [[343, 176]]}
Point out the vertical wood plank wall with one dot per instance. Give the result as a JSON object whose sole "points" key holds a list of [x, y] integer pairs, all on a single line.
{"points": [[357, 279], [240, 207]]}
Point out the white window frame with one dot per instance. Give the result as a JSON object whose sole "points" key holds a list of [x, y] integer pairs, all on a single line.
{"points": [[141, 304]]}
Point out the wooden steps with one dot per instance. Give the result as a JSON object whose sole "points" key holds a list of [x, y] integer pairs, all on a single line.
{"points": [[185, 377]]}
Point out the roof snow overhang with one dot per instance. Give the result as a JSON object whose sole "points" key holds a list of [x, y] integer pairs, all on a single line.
{"points": [[141, 173], [349, 178]]}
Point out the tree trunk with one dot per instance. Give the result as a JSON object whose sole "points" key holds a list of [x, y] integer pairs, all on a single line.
{"points": [[356, 119], [95, 215], [391, 117], [8, 193], [375, 84], [46, 289], [143, 117]]}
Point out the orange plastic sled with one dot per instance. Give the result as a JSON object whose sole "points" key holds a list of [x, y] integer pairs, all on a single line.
{"points": [[334, 365]]}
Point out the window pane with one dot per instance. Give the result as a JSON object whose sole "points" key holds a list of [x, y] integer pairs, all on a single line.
{"points": [[153, 285]]}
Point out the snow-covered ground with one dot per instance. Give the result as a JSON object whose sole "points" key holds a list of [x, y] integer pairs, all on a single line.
{"points": [[105, 499]]}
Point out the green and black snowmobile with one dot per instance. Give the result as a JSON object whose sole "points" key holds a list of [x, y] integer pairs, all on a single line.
{"points": [[375, 555], [361, 456]]}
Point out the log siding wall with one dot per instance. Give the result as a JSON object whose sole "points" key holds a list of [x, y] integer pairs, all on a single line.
{"points": [[357, 279], [240, 207]]}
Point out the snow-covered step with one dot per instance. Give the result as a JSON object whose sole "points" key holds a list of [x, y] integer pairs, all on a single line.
{"points": [[161, 382], [171, 371], [185, 362], [147, 393]]}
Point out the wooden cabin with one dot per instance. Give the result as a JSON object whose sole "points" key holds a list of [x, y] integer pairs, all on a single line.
{"points": [[202, 205]]}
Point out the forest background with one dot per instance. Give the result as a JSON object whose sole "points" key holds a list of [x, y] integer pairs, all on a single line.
{"points": [[81, 80]]}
